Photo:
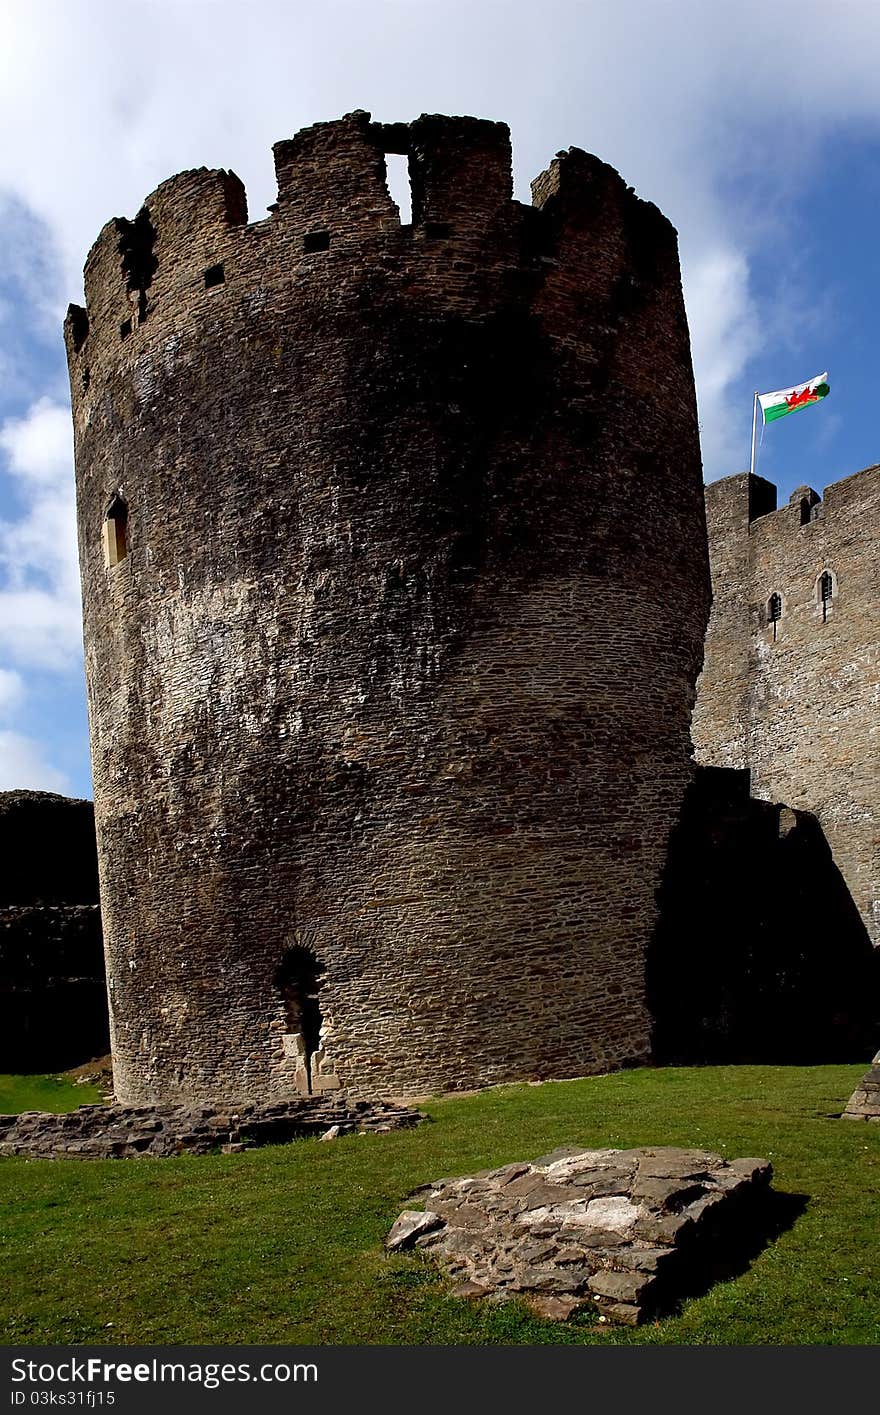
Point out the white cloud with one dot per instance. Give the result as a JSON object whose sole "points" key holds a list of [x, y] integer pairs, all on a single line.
{"points": [[23, 766], [39, 447], [723, 336], [40, 594], [11, 691]]}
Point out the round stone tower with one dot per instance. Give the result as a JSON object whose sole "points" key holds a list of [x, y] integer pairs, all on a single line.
{"points": [[395, 586]]}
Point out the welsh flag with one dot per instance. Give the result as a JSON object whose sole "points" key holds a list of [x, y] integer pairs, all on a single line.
{"points": [[788, 400]]}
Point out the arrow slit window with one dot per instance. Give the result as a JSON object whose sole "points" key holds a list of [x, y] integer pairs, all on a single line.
{"points": [[115, 533]]}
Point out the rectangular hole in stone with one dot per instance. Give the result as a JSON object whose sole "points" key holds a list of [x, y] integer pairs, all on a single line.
{"points": [[214, 276], [438, 230], [397, 180], [79, 327], [125, 329], [316, 241]]}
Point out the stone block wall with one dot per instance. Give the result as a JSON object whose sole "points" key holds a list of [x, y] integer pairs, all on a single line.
{"points": [[791, 683], [395, 586]]}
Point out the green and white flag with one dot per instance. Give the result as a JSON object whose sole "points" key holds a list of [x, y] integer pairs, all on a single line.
{"points": [[788, 400]]}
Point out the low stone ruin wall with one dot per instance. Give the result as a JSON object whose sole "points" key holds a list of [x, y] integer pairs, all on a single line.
{"points": [[136, 1132], [622, 1233]]}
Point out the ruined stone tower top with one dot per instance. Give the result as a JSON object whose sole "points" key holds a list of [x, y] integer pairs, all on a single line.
{"points": [[335, 229], [395, 584]]}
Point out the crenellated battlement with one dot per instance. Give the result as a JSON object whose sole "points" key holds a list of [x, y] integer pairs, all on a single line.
{"points": [[333, 205]]}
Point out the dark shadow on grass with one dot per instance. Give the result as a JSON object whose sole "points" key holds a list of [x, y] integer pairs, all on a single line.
{"points": [[722, 1250]]}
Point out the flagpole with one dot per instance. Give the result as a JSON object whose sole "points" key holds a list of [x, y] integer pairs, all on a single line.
{"points": [[754, 431]]}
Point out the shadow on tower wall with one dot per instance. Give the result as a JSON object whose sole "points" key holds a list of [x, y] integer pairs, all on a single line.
{"points": [[760, 954]]}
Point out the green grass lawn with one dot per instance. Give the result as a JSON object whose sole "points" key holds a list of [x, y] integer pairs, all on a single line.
{"points": [[18, 1093], [284, 1244]]}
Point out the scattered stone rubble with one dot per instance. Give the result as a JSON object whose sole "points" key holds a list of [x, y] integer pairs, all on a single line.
{"points": [[132, 1132], [619, 1232], [864, 1103]]}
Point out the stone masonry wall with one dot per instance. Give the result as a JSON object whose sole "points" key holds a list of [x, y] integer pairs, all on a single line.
{"points": [[796, 700], [395, 582]]}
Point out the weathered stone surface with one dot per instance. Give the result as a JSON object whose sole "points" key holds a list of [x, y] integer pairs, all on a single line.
{"points": [[682, 1164], [554, 1309], [410, 1226], [470, 1289], [620, 1286], [131, 1132], [864, 1103], [389, 680], [622, 1255]]}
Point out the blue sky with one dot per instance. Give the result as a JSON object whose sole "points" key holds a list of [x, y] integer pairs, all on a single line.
{"points": [[755, 128]]}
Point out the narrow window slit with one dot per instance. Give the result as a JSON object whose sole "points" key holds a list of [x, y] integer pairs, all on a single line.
{"points": [[125, 329], [826, 592], [115, 533], [314, 241], [214, 276], [774, 611]]}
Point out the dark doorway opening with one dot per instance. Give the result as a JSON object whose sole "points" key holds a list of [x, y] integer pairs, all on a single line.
{"points": [[299, 980]]}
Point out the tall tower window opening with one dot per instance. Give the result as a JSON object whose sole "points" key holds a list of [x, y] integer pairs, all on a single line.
{"points": [[826, 592], [397, 182], [774, 611], [115, 533], [806, 511]]}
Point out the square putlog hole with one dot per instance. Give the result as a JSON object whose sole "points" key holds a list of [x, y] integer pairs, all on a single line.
{"points": [[316, 241], [214, 276]]}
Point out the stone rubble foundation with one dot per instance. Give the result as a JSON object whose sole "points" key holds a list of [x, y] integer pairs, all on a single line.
{"points": [[135, 1132], [619, 1232], [864, 1103]]}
